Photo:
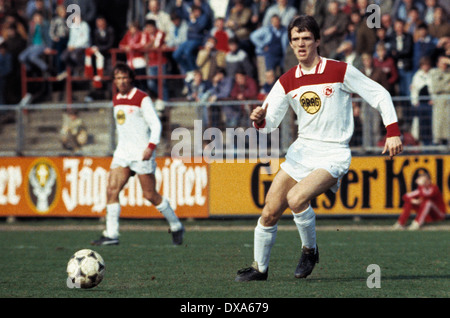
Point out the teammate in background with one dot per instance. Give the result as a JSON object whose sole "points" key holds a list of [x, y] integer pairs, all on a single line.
{"points": [[139, 132], [426, 201], [319, 91]]}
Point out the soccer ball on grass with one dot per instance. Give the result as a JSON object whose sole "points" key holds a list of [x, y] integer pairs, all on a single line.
{"points": [[85, 269]]}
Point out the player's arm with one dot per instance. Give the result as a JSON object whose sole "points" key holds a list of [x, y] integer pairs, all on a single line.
{"points": [[274, 108], [153, 121], [380, 99]]}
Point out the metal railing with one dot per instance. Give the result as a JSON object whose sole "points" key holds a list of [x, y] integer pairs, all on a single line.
{"points": [[35, 130]]}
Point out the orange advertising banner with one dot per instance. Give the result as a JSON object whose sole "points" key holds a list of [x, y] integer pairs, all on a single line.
{"points": [[76, 187]]}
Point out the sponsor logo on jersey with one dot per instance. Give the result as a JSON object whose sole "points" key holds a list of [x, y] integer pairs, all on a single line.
{"points": [[120, 117], [310, 102]]}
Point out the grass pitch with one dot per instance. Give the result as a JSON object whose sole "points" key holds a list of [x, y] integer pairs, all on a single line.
{"points": [[34, 255]]}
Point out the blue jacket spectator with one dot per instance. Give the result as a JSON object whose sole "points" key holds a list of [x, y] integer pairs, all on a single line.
{"points": [[186, 54]]}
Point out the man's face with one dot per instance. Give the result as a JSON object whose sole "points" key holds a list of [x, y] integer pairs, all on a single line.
{"points": [[123, 82], [304, 45]]}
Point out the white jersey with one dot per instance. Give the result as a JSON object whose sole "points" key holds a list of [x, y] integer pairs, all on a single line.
{"points": [[137, 124], [322, 101]]}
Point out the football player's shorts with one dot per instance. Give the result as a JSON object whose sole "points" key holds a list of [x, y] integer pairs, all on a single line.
{"points": [[303, 157], [137, 166]]}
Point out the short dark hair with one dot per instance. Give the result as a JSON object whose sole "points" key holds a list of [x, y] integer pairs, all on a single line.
{"points": [[123, 68], [304, 23]]}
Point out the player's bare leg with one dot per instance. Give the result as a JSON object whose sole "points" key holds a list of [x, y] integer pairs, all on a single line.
{"points": [[266, 228], [117, 179], [299, 197], [148, 185]]}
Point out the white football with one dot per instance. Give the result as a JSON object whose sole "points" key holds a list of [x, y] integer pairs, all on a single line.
{"points": [[86, 269]]}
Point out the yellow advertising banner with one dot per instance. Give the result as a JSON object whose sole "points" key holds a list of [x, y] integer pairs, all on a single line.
{"points": [[76, 187], [373, 186]]}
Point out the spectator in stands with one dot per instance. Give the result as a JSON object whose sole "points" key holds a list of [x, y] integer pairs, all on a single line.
{"points": [[345, 52], [386, 23], [244, 88], [184, 9], [372, 71], [283, 10], [422, 111], [268, 84], [39, 44], [176, 36], [237, 58], [259, 8], [424, 45], [333, 29], [162, 18], [352, 27], [239, 21], [5, 69], [440, 79], [133, 44], [19, 25], [177, 32], [222, 34], [59, 33], [38, 6], [14, 44], [428, 15], [440, 26], [315, 8], [402, 51], [197, 88], [221, 86], [209, 59], [79, 41], [98, 54], [349, 7], [387, 65], [402, 7], [186, 54], [371, 116], [413, 21], [154, 40], [366, 37], [382, 38], [197, 91], [271, 42]]}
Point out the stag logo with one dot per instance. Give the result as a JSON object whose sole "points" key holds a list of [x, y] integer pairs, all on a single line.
{"points": [[42, 185]]}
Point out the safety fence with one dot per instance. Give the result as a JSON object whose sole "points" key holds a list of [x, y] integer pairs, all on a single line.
{"points": [[34, 129]]}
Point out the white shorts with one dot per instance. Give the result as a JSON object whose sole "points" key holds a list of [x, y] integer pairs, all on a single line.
{"points": [[303, 157], [139, 167]]}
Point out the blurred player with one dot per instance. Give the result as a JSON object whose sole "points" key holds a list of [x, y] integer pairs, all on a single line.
{"points": [[426, 200], [139, 131], [319, 91]]}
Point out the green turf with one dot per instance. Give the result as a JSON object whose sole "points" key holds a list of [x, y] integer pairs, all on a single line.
{"points": [[146, 264]]}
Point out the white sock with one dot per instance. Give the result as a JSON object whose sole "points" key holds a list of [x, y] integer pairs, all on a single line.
{"points": [[264, 239], [112, 220], [306, 225], [166, 210]]}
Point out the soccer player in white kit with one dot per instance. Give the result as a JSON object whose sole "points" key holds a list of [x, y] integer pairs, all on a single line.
{"points": [[139, 131], [319, 91]]}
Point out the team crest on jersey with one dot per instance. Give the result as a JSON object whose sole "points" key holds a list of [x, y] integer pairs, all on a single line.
{"points": [[328, 91], [310, 102], [120, 117]]}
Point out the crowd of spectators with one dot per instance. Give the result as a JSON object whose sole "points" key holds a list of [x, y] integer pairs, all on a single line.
{"points": [[232, 49]]}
